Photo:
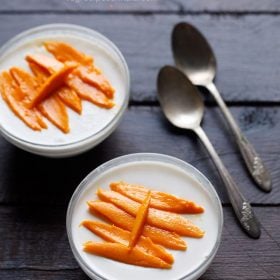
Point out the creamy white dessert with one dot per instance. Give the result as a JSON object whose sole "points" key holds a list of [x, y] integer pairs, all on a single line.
{"points": [[93, 118], [163, 177]]}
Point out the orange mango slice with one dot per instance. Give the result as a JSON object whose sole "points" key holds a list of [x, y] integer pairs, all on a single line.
{"points": [[124, 220], [67, 95], [140, 220], [122, 253], [65, 52], [26, 83], [14, 97], [55, 111], [96, 79], [158, 218], [50, 64], [70, 98], [52, 107], [89, 93], [112, 233], [39, 72], [159, 200], [51, 84]]}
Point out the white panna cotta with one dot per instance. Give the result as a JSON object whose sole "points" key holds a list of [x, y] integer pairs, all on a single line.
{"points": [[95, 123], [158, 172]]}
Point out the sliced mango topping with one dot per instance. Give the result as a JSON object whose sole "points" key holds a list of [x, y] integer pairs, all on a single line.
{"points": [[124, 220], [122, 253], [140, 220], [159, 200], [52, 83], [61, 78], [14, 97], [158, 218], [112, 233], [138, 230]]}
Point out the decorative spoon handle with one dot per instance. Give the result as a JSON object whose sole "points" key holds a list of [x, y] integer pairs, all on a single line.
{"points": [[253, 162], [241, 206]]}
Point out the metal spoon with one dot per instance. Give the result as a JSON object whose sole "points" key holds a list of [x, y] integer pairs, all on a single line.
{"points": [[195, 58], [183, 107]]}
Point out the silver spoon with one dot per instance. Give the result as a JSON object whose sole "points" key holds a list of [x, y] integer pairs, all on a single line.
{"points": [[195, 58], [183, 107]]}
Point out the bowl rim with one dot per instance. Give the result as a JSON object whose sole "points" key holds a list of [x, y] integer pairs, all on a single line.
{"points": [[138, 157], [86, 32]]}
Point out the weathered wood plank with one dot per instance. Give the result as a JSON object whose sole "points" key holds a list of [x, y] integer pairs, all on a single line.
{"points": [[91, 6], [34, 245], [246, 48], [144, 129], [201, 6], [14, 274], [226, 6]]}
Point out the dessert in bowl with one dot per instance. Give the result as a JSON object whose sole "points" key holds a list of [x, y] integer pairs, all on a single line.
{"points": [[162, 174], [94, 123]]}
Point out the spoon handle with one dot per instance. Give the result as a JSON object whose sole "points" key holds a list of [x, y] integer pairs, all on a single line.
{"points": [[241, 206], [253, 162]]}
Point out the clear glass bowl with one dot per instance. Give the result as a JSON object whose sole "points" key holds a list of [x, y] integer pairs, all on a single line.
{"points": [[38, 34], [164, 173]]}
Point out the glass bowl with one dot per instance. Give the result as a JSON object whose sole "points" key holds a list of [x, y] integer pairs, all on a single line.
{"points": [[159, 172], [94, 124]]}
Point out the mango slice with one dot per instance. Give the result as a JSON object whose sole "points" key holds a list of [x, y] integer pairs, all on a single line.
{"points": [[52, 107], [122, 253], [140, 220], [55, 111], [50, 64], [53, 82], [65, 52], [158, 218], [70, 98], [96, 79], [159, 200], [14, 97], [112, 233], [67, 95], [39, 72], [26, 83], [124, 220], [89, 93]]}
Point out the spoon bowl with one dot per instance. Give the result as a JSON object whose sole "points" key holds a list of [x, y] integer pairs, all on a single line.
{"points": [[193, 55], [182, 110]]}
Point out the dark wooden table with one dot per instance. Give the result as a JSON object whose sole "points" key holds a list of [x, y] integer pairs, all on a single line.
{"points": [[246, 37]]}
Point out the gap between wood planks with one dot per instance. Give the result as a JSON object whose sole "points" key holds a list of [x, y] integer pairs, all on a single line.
{"points": [[154, 103], [181, 12], [39, 268]]}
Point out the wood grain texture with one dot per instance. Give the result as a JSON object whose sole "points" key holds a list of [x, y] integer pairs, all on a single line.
{"points": [[38, 247], [246, 48], [92, 6], [228, 6], [155, 6], [144, 129], [19, 274]]}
